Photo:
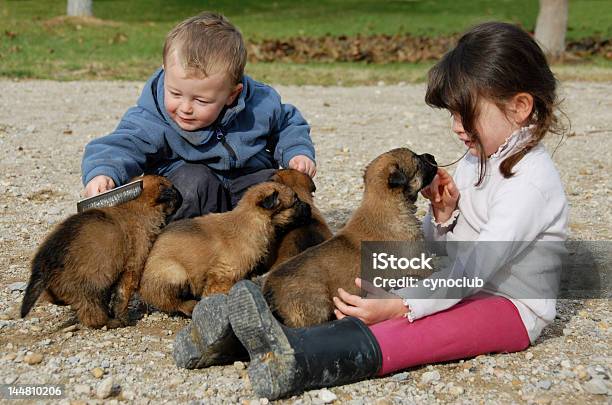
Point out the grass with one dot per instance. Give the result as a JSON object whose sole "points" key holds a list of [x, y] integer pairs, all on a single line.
{"points": [[126, 44]]}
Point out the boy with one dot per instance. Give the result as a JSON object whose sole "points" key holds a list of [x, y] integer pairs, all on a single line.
{"points": [[203, 124]]}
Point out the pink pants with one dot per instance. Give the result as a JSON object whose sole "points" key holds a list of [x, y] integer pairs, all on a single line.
{"points": [[477, 325]]}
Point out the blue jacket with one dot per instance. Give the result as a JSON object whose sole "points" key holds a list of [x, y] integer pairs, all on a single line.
{"points": [[257, 132]]}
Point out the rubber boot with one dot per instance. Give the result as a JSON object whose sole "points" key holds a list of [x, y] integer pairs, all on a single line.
{"points": [[287, 361], [209, 339]]}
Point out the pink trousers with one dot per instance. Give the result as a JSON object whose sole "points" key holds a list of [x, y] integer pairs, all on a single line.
{"points": [[477, 325]]}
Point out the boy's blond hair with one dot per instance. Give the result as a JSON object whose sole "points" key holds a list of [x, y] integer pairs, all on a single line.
{"points": [[208, 43]]}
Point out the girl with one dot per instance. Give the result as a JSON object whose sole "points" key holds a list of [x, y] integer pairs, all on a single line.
{"points": [[501, 94]]}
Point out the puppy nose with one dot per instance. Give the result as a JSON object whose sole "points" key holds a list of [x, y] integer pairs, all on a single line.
{"points": [[429, 159], [304, 210], [178, 197]]}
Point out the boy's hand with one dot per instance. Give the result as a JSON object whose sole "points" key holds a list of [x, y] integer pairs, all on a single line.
{"points": [[97, 185], [443, 194], [303, 164]]}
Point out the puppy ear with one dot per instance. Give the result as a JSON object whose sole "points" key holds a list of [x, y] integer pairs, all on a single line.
{"points": [[397, 178], [167, 194], [269, 201], [275, 178]]}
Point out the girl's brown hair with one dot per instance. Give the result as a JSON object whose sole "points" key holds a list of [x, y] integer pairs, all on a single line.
{"points": [[496, 61]]}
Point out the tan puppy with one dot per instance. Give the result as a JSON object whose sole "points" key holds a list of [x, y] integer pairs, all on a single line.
{"points": [[311, 233], [300, 290], [99, 253], [209, 254]]}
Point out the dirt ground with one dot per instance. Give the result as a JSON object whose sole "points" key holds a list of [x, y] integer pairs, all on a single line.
{"points": [[44, 127]]}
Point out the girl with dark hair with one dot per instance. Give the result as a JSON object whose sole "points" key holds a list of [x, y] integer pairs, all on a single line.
{"points": [[501, 94]]}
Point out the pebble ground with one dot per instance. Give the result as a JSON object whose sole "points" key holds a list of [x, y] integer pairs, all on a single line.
{"points": [[44, 127]]}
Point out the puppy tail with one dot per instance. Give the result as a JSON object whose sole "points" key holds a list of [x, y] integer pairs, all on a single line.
{"points": [[38, 283]]}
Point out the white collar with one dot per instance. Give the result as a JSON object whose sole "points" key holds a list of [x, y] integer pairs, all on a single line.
{"points": [[515, 141]]}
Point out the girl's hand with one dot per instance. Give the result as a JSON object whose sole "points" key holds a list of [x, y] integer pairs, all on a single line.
{"points": [[98, 184], [443, 194], [303, 164], [368, 310]]}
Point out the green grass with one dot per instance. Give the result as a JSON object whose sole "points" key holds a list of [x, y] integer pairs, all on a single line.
{"points": [[128, 44]]}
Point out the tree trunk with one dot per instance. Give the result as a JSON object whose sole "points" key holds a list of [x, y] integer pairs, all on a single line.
{"points": [[80, 8], [551, 26]]}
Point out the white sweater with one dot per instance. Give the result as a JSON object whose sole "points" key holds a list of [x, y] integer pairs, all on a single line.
{"points": [[530, 206]]}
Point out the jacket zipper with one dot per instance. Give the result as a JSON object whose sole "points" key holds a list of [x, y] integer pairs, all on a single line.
{"points": [[221, 138]]}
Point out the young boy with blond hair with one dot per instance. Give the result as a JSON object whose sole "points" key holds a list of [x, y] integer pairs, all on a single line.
{"points": [[203, 124]]}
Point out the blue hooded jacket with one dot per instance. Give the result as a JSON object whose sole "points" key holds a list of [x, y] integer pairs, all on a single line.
{"points": [[256, 132]]}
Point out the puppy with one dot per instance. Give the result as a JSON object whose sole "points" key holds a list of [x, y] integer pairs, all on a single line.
{"points": [[313, 232], [300, 290], [100, 253], [208, 254]]}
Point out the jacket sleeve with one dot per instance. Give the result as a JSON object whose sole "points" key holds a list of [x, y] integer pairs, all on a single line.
{"points": [[125, 152], [513, 225], [293, 134]]}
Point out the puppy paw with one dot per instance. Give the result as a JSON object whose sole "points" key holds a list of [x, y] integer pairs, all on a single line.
{"points": [[117, 323]]}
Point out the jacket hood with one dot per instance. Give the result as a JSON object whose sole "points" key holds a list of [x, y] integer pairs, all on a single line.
{"points": [[152, 99]]}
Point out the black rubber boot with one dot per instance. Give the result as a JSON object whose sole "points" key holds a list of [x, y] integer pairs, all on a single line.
{"points": [[287, 361], [209, 339]]}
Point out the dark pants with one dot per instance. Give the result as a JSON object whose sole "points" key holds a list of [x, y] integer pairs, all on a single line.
{"points": [[203, 192]]}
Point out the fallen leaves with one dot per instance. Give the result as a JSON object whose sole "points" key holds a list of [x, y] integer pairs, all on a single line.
{"points": [[383, 48], [370, 49]]}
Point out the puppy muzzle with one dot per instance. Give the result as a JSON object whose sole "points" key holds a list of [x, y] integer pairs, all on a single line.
{"points": [[429, 168], [171, 197], [303, 213]]}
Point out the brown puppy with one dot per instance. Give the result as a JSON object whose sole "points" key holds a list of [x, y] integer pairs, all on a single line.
{"points": [[300, 290], [209, 254], [314, 232], [99, 253]]}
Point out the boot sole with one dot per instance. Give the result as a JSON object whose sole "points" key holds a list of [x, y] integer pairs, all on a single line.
{"points": [[272, 367], [209, 339], [187, 349]]}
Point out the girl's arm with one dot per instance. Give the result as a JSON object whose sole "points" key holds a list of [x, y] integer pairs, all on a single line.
{"points": [[436, 231], [514, 223], [444, 197]]}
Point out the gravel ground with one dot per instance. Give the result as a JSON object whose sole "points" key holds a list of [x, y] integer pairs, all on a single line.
{"points": [[43, 129]]}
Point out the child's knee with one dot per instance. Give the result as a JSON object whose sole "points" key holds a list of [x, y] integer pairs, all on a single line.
{"points": [[201, 190], [192, 176]]}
